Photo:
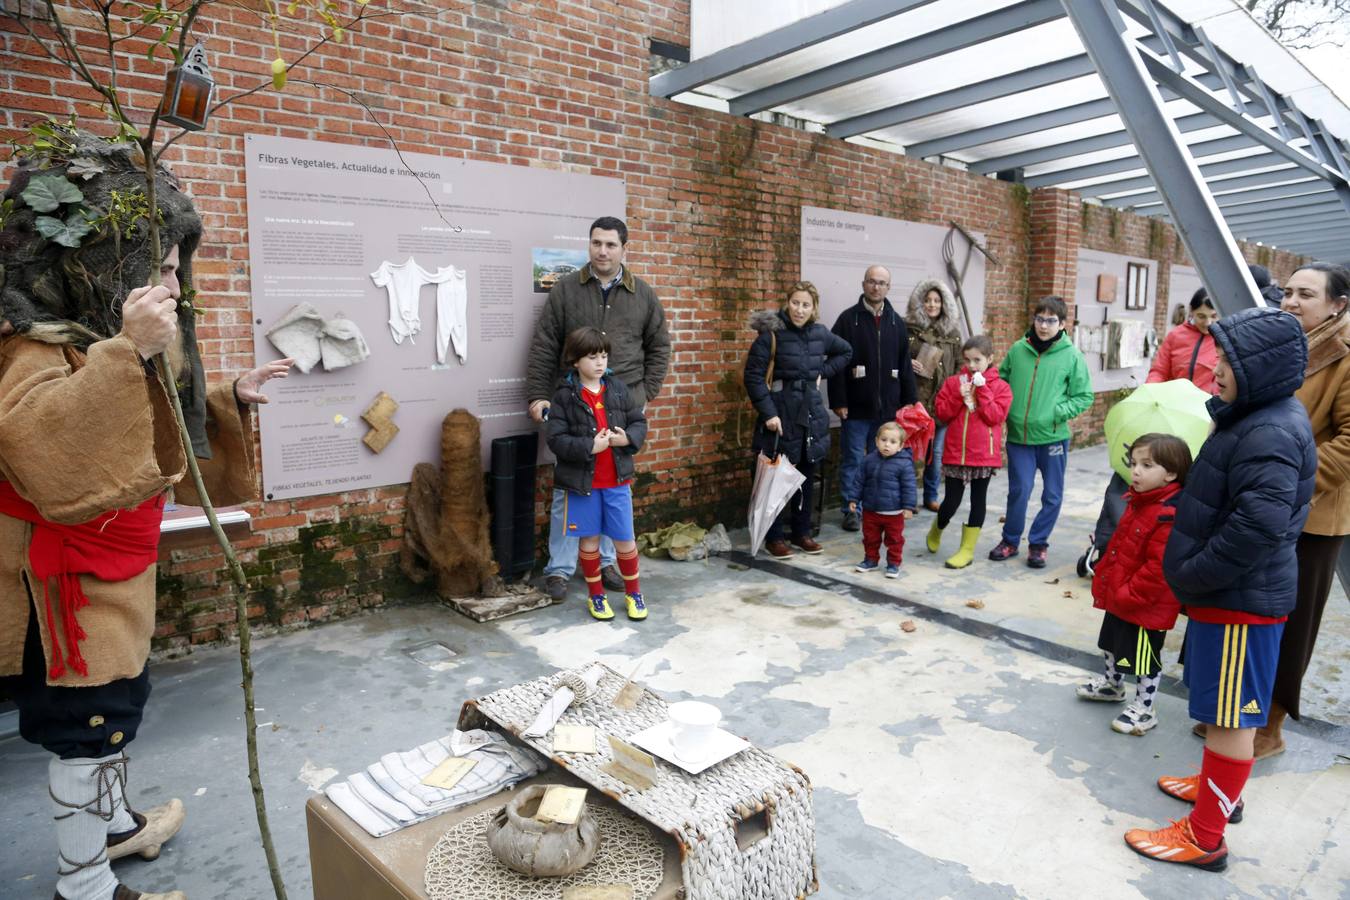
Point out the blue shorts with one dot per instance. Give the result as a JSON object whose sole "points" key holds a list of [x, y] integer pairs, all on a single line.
{"points": [[1230, 671], [607, 511]]}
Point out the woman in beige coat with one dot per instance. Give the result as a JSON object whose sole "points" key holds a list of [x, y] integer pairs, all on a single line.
{"points": [[1318, 294]]}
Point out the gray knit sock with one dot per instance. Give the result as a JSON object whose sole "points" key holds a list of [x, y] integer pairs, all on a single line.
{"points": [[81, 804], [1115, 677], [122, 821]]}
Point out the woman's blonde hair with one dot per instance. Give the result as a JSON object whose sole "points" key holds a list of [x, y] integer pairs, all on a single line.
{"points": [[808, 288]]}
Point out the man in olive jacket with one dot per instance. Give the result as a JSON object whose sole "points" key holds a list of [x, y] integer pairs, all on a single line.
{"points": [[603, 294]]}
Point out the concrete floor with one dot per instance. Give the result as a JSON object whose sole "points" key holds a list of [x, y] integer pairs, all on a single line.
{"points": [[953, 761]]}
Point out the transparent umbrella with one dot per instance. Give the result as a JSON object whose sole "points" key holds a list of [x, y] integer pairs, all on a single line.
{"points": [[776, 480]]}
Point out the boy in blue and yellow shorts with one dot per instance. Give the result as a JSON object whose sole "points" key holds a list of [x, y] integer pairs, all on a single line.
{"points": [[1230, 561], [594, 430]]}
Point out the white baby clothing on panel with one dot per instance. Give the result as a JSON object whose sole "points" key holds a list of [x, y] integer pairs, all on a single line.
{"points": [[452, 313], [403, 281]]}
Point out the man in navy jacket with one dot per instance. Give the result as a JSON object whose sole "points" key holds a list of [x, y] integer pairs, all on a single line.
{"points": [[878, 380]]}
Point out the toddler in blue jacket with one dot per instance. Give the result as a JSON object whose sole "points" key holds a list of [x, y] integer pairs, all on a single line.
{"points": [[888, 499]]}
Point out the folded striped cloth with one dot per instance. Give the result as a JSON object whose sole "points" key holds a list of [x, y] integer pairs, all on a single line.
{"points": [[390, 795]]}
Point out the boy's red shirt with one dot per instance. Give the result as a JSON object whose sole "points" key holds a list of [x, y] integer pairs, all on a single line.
{"points": [[1128, 581], [605, 474]]}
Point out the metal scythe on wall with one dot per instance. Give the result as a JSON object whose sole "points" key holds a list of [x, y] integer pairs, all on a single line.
{"points": [[957, 278]]}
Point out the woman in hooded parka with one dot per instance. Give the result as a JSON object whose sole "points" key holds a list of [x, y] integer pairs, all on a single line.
{"points": [[935, 336]]}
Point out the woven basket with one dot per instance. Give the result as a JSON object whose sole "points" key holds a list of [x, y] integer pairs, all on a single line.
{"points": [[745, 826]]}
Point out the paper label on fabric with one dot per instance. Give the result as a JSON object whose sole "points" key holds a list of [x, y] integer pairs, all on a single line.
{"points": [[598, 892], [628, 695], [574, 739], [631, 765], [860, 371], [448, 774], [561, 804]]}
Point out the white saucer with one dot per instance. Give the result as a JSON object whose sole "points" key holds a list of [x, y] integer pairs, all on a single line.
{"points": [[720, 745]]}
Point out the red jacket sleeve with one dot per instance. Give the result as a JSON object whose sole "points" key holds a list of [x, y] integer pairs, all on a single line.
{"points": [[993, 402], [1162, 361], [1143, 596], [949, 404]]}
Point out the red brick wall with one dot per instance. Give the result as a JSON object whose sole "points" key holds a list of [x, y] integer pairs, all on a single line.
{"points": [[714, 214]]}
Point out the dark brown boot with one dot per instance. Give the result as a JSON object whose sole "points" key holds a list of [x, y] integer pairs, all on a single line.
{"points": [[1269, 740], [778, 549], [806, 544]]}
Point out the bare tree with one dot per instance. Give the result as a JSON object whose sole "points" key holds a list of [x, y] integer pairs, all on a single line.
{"points": [[1304, 24]]}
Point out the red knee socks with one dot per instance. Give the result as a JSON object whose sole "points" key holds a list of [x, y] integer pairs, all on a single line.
{"points": [[628, 568], [1222, 779], [590, 570]]}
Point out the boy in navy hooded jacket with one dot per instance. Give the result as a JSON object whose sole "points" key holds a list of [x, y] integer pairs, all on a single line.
{"points": [[1230, 561]]}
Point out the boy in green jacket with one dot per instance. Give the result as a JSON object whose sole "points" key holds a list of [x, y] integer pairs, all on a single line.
{"points": [[1050, 385]]}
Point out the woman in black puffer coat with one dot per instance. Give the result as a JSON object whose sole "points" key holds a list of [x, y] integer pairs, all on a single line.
{"points": [[783, 374]]}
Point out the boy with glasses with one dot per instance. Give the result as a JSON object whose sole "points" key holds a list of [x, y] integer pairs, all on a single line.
{"points": [[1050, 386]]}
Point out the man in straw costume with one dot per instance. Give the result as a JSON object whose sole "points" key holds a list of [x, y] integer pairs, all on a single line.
{"points": [[89, 450]]}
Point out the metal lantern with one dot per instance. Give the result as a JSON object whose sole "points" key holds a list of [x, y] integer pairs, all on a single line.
{"points": [[187, 92]]}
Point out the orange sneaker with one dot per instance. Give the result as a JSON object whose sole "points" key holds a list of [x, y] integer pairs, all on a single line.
{"points": [[1185, 789], [1176, 844]]}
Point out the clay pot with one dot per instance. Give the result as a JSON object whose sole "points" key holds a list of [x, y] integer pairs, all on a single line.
{"points": [[540, 849]]}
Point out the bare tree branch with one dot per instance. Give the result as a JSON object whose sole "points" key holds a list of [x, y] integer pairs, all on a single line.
{"points": [[1304, 24]]}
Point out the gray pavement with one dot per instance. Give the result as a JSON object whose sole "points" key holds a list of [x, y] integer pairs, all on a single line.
{"points": [[953, 761]]}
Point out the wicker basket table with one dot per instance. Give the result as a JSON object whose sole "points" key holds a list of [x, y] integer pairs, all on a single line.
{"points": [[745, 827]]}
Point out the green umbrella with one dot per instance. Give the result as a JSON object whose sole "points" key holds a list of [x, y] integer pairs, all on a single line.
{"points": [[1168, 407]]}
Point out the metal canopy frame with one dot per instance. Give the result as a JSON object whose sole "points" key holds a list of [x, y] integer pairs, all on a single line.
{"points": [[1289, 187]]}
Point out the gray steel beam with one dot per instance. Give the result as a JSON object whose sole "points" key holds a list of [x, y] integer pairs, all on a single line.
{"points": [[1214, 60], [1306, 233], [967, 95], [1158, 29], [1192, 91], [1209, 171], [1220, 189], [1222, 268], [1239, 105], [780, 42], [1330, 253], [1268, 98], [1098, 142], [1333, 152], [1130, 163], [1292, 203], [1329, 228], [1068, 115], [1254, 219], [949, 39]]}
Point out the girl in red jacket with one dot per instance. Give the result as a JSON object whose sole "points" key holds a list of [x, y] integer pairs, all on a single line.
{"points": [[972, 405], [1129, 584]]}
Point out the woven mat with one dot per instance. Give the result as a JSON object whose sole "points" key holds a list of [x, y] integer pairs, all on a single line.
{"points": [[462, 867]]}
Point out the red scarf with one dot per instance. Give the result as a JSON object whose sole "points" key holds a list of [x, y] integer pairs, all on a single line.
{"points": [[115, 546]]}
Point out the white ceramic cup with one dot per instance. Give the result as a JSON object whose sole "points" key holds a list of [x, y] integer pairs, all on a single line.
{"points": [[693, 725]]}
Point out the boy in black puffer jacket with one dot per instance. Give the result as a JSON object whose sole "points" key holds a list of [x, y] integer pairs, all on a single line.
{"points": [[594, 429], [1231, 563], [888, 499]]}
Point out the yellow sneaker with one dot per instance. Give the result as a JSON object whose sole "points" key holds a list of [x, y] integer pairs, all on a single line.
{"points": [[599, 607], [636, 608]]}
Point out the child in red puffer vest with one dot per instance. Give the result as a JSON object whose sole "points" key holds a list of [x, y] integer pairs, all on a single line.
{"points": [[1129, 583]]}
